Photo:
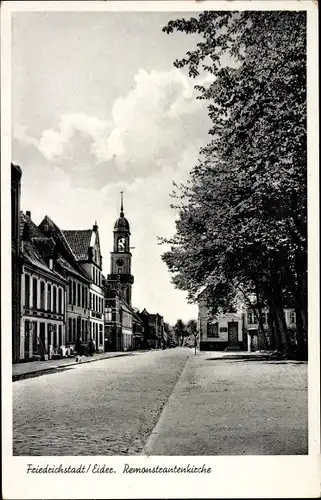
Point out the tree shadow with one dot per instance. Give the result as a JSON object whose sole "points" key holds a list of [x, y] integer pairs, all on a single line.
{"points": [[262, 358]]}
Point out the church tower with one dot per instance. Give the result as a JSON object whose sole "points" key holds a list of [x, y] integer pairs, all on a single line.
{"points": [[120, 262]]}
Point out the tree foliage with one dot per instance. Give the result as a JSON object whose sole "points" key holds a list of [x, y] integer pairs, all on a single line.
{"points": [[242, 225]]}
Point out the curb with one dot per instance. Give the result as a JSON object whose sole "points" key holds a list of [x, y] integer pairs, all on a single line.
{"points": [[53, 369]]}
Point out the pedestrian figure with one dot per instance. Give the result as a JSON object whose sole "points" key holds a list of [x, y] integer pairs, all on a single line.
{"points": [[79, 350], [91, 347]]}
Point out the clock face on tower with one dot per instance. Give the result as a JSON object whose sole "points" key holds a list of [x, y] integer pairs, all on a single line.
{"points": [[120, 262], [121, 244]]}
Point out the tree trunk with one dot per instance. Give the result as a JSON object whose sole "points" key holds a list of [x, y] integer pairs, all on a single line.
{"points": [[279, 312], [260, 318], [272, 328]]}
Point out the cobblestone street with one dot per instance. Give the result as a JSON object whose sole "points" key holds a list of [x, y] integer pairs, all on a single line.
{"points": [[213, 404], [105, 408]]}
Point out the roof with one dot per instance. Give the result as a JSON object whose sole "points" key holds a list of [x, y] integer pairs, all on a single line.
{"points": [[63, 248], [122, 224], [69, 268], [33, 229], [31, 256], [79, 240]]}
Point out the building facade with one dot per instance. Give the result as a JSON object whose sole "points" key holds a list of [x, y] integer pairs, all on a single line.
{"points": [[43, 296], [77, 314], [153, 327], [15, 260], [85, 245], [220, 332], [258, 341]]}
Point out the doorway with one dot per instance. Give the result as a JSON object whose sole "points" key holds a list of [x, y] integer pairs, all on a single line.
{"points": [[232, 334]]}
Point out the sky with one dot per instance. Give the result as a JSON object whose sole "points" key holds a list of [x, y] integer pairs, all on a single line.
{"points": [[98, 108]]}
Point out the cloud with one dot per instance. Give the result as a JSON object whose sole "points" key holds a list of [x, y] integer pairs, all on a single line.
{"points": [[52, 143], [147, 129], [155, 122]]}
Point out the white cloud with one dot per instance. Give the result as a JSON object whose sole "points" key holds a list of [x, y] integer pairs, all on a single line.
{"points": [[52, 143], [154, 122]]}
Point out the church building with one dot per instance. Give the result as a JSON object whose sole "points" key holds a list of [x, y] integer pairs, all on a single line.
{"points": [[120, 317]]}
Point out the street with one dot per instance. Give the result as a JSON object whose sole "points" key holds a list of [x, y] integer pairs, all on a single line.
{"points": [[164, 403]]}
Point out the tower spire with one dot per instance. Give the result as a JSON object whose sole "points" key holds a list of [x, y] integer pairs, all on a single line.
{"points": [[121, 204]]}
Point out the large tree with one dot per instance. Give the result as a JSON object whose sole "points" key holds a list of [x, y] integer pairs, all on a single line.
{"points": [[242, 224]]}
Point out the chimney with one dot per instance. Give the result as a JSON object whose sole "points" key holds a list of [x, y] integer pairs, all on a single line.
{"points": [[28, 214], [50, 263], [95, 227]]}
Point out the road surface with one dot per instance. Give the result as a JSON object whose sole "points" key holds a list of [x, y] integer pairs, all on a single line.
{"points": [[164, 403]]}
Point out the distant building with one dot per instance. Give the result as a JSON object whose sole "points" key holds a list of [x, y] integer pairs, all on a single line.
{"points": [[239, 330], [15, 260], [154, 332], [220, 332], [85, 245]]}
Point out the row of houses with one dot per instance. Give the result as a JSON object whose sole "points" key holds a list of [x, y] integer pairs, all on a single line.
{"points": [[239, 329], [59, 292]]}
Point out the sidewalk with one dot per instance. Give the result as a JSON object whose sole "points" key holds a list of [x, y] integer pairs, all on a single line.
{"points": [[235, 404], [23, 370]]}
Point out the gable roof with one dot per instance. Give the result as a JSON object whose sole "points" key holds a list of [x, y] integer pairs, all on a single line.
{"points": [[69, 259], [35, 246], [79, 240]]}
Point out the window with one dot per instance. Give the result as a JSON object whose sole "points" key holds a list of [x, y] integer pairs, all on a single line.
{"points": [[27, 338], [292, 317], [59, 335], [100, 334], [34, 292], [74, 329], [34, 337], [61, 301], [108, 314], [83, 296], [251, 318], [264, 317], [69, 291], [212, 329], [27, 290], [42, 294], [49, 297], [91, 301], [78, 295], [42, 338], [74, 293], [54, 335], [49, 330], [54, 299]]}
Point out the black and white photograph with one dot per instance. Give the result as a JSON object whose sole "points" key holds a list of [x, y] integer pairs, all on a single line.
{"points": [[162, 176]]}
